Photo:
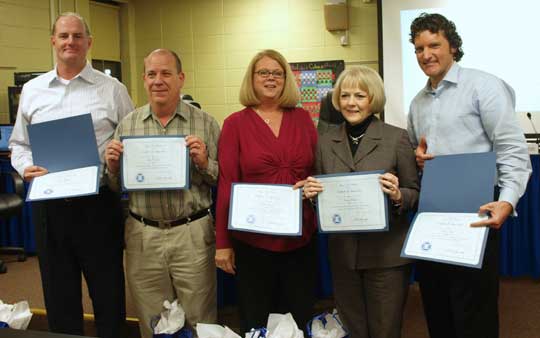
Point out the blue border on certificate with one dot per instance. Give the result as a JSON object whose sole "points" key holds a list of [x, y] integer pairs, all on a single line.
{"points": [[95, 192], [188, 162], [64, 144], [300, 213], [445, 261], [445, 182], [353, 173]]}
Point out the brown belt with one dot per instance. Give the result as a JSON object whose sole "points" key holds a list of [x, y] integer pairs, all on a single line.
{"points": [[169, 224]]}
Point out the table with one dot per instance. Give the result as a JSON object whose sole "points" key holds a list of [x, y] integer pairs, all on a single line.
{"points": [[10, 333]]}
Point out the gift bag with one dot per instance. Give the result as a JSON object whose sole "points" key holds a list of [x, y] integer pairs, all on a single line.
{"points": [[326, 325], [215, 331], [279, 326], [170, 324], [257, 333], [16, 316]]}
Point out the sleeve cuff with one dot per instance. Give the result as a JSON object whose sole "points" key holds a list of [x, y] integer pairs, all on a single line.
{"points": [[223, 243], [211, 171], [508, 195]]}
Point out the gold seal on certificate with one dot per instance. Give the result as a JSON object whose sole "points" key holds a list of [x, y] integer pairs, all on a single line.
{"points": [[352, 202], [154, 162]]}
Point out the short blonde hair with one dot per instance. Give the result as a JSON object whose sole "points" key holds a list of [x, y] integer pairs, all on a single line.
{"points": [[289, 97], [367, 80]]}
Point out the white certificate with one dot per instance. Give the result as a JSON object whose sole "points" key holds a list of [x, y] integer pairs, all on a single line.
{"points": [[447, 238], [155, 162], [64, 184], [352, 202], [266, 208]]}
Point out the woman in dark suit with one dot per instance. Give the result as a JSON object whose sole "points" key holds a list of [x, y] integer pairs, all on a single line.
{"points": [[370, 278]]}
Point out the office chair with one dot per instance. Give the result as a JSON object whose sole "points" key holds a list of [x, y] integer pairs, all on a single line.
{"points": [[11, 204], [189, 100], [329, 117]]}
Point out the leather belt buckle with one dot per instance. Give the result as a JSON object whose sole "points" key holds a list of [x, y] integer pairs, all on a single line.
{"points": [[165, 224]]}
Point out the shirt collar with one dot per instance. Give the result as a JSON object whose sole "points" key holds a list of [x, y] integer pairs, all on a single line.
{"points": [[451, 77], [182, 110], [86, 74]]}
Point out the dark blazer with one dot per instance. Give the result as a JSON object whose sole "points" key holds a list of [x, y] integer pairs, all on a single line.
{"points": [[383, 147]]}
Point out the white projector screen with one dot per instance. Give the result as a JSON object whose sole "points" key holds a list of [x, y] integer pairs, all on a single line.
{"points": [[499, 37]]}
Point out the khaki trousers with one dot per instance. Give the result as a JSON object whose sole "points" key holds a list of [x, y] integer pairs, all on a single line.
{"points": [[165, 264]]}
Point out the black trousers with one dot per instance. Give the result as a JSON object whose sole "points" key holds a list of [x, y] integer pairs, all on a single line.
{"points": [[462, 302], [82, 236], [275, 282]]}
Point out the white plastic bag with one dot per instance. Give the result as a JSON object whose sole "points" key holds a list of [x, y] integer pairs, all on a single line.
{"points": [[326, 325], [283, 326], [215, 331], [17, 316], [172, 319]]}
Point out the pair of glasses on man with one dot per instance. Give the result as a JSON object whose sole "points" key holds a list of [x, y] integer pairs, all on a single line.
{"points": [[264, 73]]}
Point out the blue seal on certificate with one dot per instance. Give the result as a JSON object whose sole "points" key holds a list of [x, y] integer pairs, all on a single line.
{"points": [[250, 219], [48, 191], [336, 219], [140, 178], [426, 246]]}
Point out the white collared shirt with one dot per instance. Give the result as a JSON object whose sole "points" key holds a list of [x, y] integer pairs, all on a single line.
{"points": [[49, 97]]}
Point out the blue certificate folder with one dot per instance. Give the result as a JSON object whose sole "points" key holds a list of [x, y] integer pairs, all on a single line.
{"points": [[65, 144], [456, 184]]}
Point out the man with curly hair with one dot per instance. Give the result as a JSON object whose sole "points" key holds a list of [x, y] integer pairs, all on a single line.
{"points": [[463, 110]]}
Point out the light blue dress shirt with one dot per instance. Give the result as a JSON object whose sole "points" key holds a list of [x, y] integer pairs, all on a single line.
{"points": [[471, 111]]}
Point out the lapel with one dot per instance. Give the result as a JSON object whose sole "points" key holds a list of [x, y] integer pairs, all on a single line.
{"points": [[370, 141], [340, 146]]}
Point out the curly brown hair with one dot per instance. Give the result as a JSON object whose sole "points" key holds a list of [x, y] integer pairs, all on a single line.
{"points": [[436, 23]]}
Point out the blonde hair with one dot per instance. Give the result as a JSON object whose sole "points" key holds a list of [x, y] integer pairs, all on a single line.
{"points": [[367, 80], [289, 96]]}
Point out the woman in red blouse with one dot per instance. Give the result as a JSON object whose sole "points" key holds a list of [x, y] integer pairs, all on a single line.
{"points": [[269, 141]]}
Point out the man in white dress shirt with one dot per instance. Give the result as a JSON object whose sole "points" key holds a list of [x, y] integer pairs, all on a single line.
{"points": [[84, 235]]}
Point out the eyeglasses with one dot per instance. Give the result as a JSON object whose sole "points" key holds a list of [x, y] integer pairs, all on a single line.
{"points": [[264, 73]]}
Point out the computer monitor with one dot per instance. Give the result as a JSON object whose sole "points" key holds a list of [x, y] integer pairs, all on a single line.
{"points": [[14, 94], [5, 134]]}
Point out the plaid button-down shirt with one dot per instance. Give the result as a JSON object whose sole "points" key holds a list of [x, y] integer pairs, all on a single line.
{"points": [[173, 204]]}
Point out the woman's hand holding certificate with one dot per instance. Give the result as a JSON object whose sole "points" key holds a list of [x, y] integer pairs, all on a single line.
{"points": [[350, 202]]}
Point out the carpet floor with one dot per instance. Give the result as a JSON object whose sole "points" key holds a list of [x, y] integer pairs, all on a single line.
{"points": [[519, 304]]}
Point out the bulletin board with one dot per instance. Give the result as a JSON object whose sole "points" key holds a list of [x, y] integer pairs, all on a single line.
{"points": [[315, 80]]}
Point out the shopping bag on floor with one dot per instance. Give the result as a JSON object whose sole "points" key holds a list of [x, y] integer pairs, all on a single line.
{"points": [[326, 325], [282, 326], [16, 316], [215, 331], [257, 333], [170, 324]]}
